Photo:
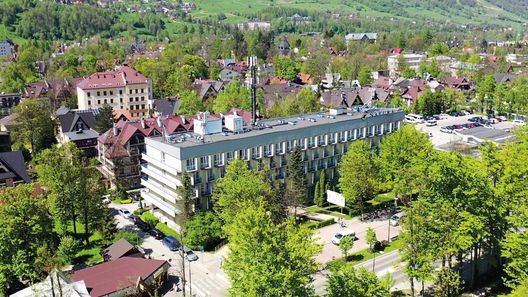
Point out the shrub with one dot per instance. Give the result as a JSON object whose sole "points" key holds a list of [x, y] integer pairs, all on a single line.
{"points": [[140, 211], [125, 201], [133, 238], [321, 224], [150, 219]]}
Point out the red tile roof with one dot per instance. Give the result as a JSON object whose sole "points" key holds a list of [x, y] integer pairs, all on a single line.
{"points": [[127, 129], [121, 77], [116, 275]]}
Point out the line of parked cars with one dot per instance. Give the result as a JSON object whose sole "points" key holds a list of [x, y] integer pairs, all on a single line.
{"points": [[461, 127], [169, 241]]}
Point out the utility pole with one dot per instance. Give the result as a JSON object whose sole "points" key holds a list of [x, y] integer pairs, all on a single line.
{"points": [[253, 67]]}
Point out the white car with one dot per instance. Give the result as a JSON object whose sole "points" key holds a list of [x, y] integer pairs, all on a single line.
{"points": [[446, 130], [396, 219], [519, 123], [342, 234], [106, 199], [124, 213], [431, 123]]}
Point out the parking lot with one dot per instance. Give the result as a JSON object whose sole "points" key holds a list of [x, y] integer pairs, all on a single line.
{"points": [[439, 138]]}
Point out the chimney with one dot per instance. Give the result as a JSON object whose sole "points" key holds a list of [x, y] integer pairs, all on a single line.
{"points": [[182, 119], [116, 130], [143, 124]]}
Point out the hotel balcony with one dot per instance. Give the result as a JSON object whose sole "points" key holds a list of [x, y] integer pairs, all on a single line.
{"points": [[158, 202], [171, 182], [158, 163], [159, 190]]}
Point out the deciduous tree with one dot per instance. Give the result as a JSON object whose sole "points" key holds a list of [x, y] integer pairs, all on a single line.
{"points": [[352, 282]]}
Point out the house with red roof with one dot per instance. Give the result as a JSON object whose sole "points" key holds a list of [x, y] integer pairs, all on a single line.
{"points": [[123, 277], [120, 148], [123, 88]]}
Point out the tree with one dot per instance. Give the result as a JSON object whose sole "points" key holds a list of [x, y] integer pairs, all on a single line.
{"points": [[356, 175], [485, 92], [430, 103], [35, 126], [107, 226], [190, 104], [268, 259], [371, 238], [352, 282], [240, 184], [26, 227], [315, 65], [285, 68], [105, 119], [67, 249], [204, 229], [320, 190], [408, 73], [234, 95], [434, 69], [365, 76], [75, 189], [295, 180], [345, 245], [308, 101], [448, 283], [438, 49]]}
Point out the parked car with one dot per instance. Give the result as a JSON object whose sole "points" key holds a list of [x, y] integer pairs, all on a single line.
{"points": [[519, 123], [470, 125], [437, 117], [189, 254], [458, 128], [156, 234], [502, 118], [454, 113], [106, 199], [172, 243], [396, 219], [124, 213], [141, 224], [431, 123], [477, 124], [443, 116], [342, 234], [475, 119], [447, 129]]}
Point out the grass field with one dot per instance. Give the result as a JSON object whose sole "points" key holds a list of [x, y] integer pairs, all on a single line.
{"points": [[363, 256], [485, 12]]}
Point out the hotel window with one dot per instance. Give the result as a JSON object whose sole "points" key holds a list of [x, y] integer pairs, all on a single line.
{"points": [[105, 101], [229, 156], [331, 138], [121, 100], [218, 160], [130, 91], [289, 147], [142, 106], [111, 93], [137, 91], [98, 102], [111, 100], [142, 98], [279, 148], [88, 94], [104, 93], [302, 143], [190, 164], [120, 92], [311, 142], [321, 139], [142, 91], [341, 136], [350, 135], [204, 162], [162, 157], [268, 150], [255, 152], [242, 154], [98, 93], [89, 102]]}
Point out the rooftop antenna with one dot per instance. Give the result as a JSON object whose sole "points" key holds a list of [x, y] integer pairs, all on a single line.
{"points": [[253, 67]]}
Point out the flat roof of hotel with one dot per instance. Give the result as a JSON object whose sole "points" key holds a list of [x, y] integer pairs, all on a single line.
{"points": [[276, 125]]}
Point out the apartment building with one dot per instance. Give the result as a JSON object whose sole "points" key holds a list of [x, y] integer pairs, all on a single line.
{"points": [[204, 153], [120, 148], [123, 88], [413, 60], [7, 102]]}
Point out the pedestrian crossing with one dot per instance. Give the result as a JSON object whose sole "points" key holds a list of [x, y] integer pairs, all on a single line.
{"points": [[209, 286]]}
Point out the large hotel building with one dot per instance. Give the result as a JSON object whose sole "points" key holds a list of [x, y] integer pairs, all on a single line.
{"points": [[204, 153]]}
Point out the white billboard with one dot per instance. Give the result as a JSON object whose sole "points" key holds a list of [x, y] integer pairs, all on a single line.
{"points": [[335, 198]]}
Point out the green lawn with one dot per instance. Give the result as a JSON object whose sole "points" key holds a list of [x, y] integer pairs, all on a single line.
{"points": [[363, 256], [332, 210], [89, 256], [382, 198]]}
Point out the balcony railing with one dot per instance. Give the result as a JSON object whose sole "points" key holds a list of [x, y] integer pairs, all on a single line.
{"points": [[204, 165], [191, 167]]}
